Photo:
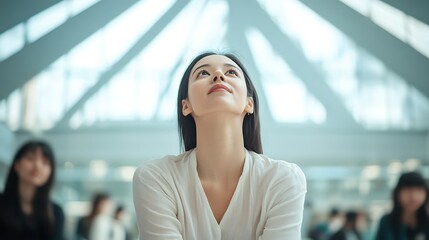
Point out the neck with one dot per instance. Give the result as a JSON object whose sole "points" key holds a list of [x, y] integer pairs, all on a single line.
{"points": [[26, 195], [409, 218], [220, 148]]}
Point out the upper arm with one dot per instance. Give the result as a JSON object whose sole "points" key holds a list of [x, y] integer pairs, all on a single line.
{"points": [[155, 206], [285, 213]]}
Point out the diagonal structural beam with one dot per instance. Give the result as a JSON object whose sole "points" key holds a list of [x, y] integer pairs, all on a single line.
{"points": [[169, 83], [236, 39], [418, 9], [35, 57], [179, 61], [13, 12], [398, 56], [128, 56], [314, 80], [238, 42]]}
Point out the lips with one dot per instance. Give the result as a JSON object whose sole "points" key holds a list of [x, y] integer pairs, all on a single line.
{"points": [[35, 173], [219, 87]]}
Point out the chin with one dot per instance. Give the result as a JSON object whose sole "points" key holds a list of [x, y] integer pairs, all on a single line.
{"points": [[38, 182], [413, 208]]}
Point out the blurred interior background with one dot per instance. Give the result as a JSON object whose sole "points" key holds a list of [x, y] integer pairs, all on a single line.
{"points": [[343, 86]]}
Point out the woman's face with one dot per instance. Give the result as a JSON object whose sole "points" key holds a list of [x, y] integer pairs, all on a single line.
{"points": [[217, 84], [33, 168], [412, 198], [105, 207]]}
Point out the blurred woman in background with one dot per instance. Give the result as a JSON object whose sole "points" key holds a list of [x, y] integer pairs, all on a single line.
{"points": [[408, 219], [26, 210], [98, 224]]}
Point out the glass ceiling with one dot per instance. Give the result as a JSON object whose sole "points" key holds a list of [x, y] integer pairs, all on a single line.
{"points": [[77, 90]]}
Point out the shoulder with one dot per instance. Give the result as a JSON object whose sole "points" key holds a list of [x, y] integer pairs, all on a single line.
{"points": [[385, 220], [58, 211], [57, 207], [3, 206], [338, 235], [278, 171], [3, 199], [6, 205], [161, 168]]}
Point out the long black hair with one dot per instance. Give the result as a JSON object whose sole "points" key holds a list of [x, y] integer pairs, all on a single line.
{"points": [[251, 124], [408, 180], [42, 206], [97, 201]]}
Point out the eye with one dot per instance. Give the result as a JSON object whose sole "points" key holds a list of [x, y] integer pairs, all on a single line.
{"points": [[232, 72], [203, 73]]}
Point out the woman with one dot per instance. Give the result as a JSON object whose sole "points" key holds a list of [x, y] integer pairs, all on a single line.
{"points": [[97, 225], [222, 187], [408, 219], [26, 211]]}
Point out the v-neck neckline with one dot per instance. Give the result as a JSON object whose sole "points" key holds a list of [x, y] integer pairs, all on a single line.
{"points": [[203, 195]]}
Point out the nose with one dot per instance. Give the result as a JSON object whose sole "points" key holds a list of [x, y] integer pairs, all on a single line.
{"points": [[218, 76], [38, 163]]}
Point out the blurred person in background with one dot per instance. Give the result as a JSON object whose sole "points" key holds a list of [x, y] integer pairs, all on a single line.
{"points": [[336, 221], [98, 224], [318, 227], [26, 208], [324, 229], [119, 229], [363, 225], [350, 230], [408, 220]]}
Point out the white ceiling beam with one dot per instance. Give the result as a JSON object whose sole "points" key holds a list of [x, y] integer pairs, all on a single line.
{"points": [[307, 147]]}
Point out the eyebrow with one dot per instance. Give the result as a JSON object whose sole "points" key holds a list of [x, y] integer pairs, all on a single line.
{"points": [[208, 65]]}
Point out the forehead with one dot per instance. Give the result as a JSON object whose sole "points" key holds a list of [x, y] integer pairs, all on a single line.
{"points": [[215, 60], [38, 152]]}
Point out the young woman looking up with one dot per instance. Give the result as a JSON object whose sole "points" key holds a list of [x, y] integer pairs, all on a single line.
{"points": [[221, 187]]}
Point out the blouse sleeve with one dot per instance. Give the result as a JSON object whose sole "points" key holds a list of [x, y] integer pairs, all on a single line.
{"points": [[155, 206], [285, 213]]}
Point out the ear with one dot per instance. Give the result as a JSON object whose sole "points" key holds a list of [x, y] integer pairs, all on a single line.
{"points": [[249, 105], [186, 107]]}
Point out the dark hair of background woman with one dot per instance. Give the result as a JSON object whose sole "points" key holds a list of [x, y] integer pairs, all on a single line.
{"points": [[407, 180], [96, 208], [42, 206], [251, 124]]}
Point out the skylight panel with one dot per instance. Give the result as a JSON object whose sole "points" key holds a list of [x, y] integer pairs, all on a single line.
{"points": [[287, 96]]}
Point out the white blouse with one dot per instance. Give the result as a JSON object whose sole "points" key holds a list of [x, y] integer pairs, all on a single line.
{"points": [[170, 201]]}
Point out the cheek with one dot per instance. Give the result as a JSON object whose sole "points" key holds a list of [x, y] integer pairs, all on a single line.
{"points": [[421, 197], [403, 198], [22, 169], [241, 91], [47, 171], [196, 93]]}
